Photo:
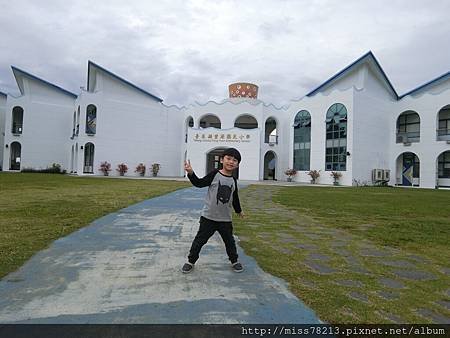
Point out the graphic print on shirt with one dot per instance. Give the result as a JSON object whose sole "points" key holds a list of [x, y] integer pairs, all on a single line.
{"points": [[224, 193]]}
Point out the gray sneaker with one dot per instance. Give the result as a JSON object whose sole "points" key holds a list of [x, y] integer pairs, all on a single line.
{"points": [[237, 267], [187, 267]]}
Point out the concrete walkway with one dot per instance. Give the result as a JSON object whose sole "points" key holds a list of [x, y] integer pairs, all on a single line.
{"points": [[125, 268]]}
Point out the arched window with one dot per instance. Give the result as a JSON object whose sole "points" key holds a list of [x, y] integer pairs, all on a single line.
{"points": [[88, 158], [270, 131], [443, 131], [17, 120], [210, 121], [336, 138], [189, 124], [74, 123], [246, 122], [408, 127], [78, 122], [302, 140], [91, 119]]}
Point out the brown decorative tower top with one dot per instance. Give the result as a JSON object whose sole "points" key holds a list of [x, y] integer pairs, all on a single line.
{"points": [[242, 89]]}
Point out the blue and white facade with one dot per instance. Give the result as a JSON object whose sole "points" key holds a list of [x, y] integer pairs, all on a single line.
{"points": [[354, 124]]}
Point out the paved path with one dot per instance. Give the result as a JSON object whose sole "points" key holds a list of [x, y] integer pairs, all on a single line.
{"points": [[125, 268]]}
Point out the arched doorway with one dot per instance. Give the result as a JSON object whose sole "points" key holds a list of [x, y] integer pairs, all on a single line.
{"points": [[75, 164], [408, 170], [88, 158], [270, 164], [443, 169], [213, 161], [15, 156], [72, 158]]}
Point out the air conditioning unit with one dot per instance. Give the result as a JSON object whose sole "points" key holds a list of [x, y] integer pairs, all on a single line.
{"points": [[381, 175], [386, 175], [377, 175]]}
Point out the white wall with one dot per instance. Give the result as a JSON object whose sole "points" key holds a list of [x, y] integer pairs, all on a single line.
{"points": [[371, 128], [252, 166], [428, 149], [46, 126], [132, 127], [318, 106], [198, 148]]}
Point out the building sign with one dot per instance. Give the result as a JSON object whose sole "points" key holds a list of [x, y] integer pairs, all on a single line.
{"points": [[221, 137]]}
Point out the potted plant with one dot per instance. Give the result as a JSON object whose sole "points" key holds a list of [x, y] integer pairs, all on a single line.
{"points": [[140, 169], [105, 168], [336, 175], [314, 175], [155, 169], [122, 168], [290, 173]]}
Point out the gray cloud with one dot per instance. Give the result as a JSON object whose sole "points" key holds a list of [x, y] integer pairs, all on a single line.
{"points": [[186, 51]]}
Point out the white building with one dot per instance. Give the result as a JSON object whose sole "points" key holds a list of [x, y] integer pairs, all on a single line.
{"points": [[353, 123]]}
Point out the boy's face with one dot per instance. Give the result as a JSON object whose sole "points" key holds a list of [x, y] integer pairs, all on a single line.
{"points": [[229, 162]]}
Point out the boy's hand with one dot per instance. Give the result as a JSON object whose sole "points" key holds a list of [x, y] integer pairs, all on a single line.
{"points": [[241, 214], [187, 167]]}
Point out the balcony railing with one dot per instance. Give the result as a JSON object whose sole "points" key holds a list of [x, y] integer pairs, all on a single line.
{"points": [[443, 134], [406, 137], [17, 128]]}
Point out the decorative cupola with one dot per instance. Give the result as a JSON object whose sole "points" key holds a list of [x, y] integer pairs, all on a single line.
{"points": [[243, 90]]}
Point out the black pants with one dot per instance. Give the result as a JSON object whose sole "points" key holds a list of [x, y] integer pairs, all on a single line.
{"points": [[206, 230]]}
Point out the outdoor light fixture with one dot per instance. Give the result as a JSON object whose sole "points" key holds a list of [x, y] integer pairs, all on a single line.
{"points": [[6, 146], [348, 153], [81, 147]]}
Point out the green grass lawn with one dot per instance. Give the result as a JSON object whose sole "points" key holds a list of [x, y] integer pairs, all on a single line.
{"points": [[416, 219], [36, 209], [336, 247], [364, 236]]}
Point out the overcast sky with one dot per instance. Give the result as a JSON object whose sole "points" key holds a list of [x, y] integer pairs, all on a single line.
{"points": [[190, 50]]}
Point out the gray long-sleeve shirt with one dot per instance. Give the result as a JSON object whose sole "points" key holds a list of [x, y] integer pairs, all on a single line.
{"points": [[221, 196]]}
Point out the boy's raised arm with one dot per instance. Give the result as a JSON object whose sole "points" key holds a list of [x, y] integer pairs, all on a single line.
{"points": [[198, 182]]}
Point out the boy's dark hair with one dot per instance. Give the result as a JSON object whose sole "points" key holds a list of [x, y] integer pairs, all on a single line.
{"points": [[232, 152]]}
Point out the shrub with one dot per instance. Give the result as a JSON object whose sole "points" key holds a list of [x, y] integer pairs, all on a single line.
{"points": [[290, 173], [122, 168], [314, 175], [140, 169], [155, 168], [54, 169], [105, 168]]}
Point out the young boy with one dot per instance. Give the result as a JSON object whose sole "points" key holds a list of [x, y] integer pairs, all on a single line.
{"points": [[216, 214]]}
